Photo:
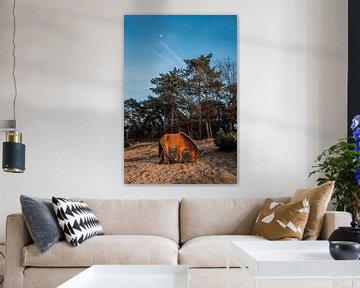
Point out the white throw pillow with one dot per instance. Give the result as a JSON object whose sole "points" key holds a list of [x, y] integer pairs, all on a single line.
{"points": [[76, 220]]}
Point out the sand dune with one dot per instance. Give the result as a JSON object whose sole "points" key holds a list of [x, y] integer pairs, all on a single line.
{"points": [[211, 167]]}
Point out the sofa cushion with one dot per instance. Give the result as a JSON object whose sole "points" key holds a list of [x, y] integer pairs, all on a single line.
{"points": [[41, 221], [279, 221], [319, 198], [77, 220], [35, 277], [158, 217], [200, 217], [107, 249], [211, 251]]}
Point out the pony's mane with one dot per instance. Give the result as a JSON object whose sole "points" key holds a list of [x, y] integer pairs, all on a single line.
{"points": [[190, 141]]}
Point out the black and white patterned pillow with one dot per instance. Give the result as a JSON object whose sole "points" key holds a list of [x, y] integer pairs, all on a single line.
{"points": [[77, 220]]}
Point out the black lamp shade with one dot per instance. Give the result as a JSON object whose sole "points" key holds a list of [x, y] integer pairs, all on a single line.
{"points": [[13, 157]]}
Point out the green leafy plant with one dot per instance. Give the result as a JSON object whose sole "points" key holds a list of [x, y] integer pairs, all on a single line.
{"points": [[341, 163], [226, 141]]}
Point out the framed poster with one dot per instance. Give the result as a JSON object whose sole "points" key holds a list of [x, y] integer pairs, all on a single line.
{"points": [[180, 99]]}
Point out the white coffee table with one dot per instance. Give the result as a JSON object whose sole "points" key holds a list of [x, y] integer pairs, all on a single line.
{"points": [[131, 276], [285, 260]]}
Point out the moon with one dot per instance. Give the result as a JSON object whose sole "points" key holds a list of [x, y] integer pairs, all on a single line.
{"points": [[160, 35]]}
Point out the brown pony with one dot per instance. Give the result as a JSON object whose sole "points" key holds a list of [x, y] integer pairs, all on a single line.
{"points": [[179, 141]]}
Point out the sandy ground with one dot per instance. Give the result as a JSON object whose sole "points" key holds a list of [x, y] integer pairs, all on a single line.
{"points": [[211, 167]]}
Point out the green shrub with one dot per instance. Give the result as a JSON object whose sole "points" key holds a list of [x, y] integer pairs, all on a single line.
{"points": [[226, 142]]}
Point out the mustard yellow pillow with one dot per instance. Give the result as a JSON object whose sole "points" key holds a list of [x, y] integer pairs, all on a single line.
{"points": [[319, 198], [279, 221]]}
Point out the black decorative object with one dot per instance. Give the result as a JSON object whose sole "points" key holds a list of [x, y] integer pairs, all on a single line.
{"points": [[344, 250], [345, 233]]}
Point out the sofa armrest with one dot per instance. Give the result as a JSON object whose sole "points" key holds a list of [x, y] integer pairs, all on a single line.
{"points": [[17, 237], [333, 220]]}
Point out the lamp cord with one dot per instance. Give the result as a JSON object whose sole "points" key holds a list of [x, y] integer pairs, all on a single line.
{"points": [[14, 61]]}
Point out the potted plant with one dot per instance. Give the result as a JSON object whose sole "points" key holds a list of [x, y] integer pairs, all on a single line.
{"points": [[341, 163]]}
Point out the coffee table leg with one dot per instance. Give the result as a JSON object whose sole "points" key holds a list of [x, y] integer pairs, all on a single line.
{"points": [[340, 283], [355, 283], [255, 283], [228, 269]]}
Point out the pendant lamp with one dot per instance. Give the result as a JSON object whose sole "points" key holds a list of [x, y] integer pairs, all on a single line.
{"points": [[13, 160]]}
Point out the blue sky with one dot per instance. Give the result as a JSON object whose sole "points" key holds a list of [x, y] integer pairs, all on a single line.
{"points": [[157, 43]]}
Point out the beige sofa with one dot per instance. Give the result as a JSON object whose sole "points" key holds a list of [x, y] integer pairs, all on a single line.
{"points": [[195, 232]]}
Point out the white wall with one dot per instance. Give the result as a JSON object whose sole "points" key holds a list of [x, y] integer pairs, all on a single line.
{"points": [[293, 62]]}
